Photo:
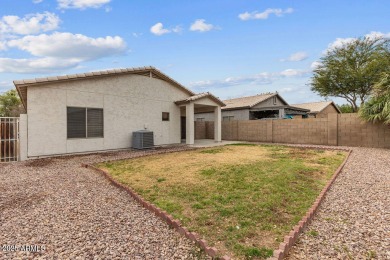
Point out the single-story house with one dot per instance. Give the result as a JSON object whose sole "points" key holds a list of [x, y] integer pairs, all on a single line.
{"points": [[98, 111], [261, 106], [320, 109]]}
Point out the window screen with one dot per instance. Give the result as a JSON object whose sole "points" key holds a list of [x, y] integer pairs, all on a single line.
{"points": [[94, 122], [84, 122], [76, 120]]}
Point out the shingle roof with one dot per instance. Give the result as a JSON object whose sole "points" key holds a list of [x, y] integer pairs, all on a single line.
{"points": [[21, 85], [316, 107], [199, 96], [247, 102]]}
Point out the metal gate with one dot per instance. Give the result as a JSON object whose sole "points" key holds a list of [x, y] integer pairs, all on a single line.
{"points": [[9, 136]]}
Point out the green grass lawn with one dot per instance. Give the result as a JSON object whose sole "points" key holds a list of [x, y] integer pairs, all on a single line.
{"points": [[243, 199]]}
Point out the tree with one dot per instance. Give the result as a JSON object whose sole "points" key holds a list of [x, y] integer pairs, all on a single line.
{"points": [[345, 108], [10, 104], [377, 108], [351, 70]]}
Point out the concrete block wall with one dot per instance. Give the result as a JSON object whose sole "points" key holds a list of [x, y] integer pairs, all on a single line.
{"points": [[335, 129], [209, 130], [301, 131], [230, 130], [252, 130], [200, 129], [204, 130], [354, 132]]}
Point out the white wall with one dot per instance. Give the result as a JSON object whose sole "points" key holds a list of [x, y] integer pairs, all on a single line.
{"points": [[129, 103]]}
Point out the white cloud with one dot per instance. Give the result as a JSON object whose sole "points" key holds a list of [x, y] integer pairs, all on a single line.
{"points": [[340, 42], [314, 65], [201, 26], [137, 35], [30, 24], [177, 29], [264, 15], [293, 73], [158, 29], [40, 65], [3, 46], [298, 56], [68, 45], [374, 35], [4, 84], [81, 4], [59, 51], [37, 1], [256, 79], [286, 90]]}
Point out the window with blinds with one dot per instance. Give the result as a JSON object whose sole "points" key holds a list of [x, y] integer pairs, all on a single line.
{"points": [[84, 122], [94, 122]]}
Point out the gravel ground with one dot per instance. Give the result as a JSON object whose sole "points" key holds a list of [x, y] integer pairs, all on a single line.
{"points": [[76, 214], [353, 222]]}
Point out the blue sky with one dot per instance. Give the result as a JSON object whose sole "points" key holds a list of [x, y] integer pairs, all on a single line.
{"points": [[230, 48]]}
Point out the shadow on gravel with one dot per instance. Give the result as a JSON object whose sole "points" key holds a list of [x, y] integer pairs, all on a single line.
{"points": [[39, 162], [22, 201]]}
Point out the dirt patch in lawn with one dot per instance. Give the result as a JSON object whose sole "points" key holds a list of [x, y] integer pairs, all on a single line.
{"points": [[241, 198]]}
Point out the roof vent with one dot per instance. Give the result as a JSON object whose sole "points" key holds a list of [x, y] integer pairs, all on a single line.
{"points": [[143, 139]]}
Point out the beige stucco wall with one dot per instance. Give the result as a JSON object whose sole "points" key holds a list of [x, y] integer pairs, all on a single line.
{"points": [[242, 114], [270, 103], [129, 102], [205, 116]]}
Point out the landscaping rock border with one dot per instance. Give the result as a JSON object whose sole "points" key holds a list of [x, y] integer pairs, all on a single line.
{"points": [[291, 238]]}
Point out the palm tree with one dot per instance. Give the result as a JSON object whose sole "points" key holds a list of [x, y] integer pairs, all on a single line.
{"points": [[377, 108]]}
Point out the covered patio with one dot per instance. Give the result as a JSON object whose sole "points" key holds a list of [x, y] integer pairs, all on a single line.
{"points": [[201, 103]]}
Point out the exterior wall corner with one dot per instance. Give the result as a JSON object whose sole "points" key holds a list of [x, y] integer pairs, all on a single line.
{"points": [[23, 137]]}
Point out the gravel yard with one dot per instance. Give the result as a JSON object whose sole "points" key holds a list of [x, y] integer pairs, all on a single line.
{"points": [[75, 213], [353, 222]]}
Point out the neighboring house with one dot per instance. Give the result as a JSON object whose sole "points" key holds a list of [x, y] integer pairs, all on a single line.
{"points": [[262, 106], [99, 111], [320, 109]]}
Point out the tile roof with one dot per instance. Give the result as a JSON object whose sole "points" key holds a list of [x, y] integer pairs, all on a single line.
{"points": [[199, 96], [247, 102], [316, 107]]}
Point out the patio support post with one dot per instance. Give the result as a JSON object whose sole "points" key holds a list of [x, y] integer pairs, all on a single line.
{"points": [[281, 113], [190, 125], [217, 124]]}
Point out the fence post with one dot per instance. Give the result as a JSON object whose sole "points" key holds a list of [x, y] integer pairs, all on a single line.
{"points": [[23, 137], [332, 129]]}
